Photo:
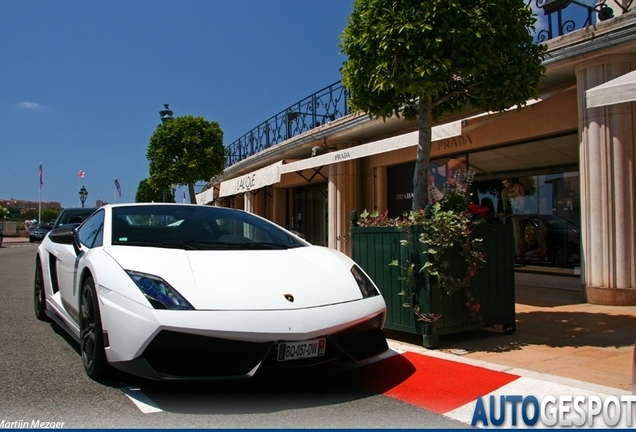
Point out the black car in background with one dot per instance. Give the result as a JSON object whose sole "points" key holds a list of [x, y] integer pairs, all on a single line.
{"points": [[73, 216], [550, 239], [39, 232]]}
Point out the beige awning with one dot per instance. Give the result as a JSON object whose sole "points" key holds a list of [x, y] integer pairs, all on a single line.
{"points": [[618, 90], [205, 197], [386, 145], [255, 180], [271, 174]]}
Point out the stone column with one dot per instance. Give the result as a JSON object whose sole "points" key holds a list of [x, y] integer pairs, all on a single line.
{"points": [[381, 189], [343, 197], [608, 187], [248, 202], [254, 202], [279, 207]]}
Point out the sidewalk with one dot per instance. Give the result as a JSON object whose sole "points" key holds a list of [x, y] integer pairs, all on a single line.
{"points": [[558, 338], [15, 239]]}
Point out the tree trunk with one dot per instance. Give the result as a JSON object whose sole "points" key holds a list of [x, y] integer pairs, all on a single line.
{"points": [[421, 175], [193, 197]]}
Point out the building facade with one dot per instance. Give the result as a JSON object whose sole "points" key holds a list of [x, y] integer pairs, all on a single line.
{"points": [[573, 164]]}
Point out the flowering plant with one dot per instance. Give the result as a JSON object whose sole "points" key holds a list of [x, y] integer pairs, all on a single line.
{"points": [[451, 223], [447, 223]]}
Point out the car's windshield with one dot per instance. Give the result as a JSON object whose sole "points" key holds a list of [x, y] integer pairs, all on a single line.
{"points": [[196, 228], [73, 216]]}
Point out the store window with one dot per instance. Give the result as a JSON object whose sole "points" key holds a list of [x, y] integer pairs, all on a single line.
{"points": [[545, 212], [543, 205], [400, 182]]}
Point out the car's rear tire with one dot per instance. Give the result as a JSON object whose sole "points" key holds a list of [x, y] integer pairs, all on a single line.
{"points": [[91, 336], [38, 291]]}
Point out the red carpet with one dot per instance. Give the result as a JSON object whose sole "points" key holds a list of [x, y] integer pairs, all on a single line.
{"points": [[430, 383]]}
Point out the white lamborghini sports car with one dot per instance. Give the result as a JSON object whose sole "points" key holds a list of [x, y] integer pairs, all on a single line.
{"points": [[190, 292]]}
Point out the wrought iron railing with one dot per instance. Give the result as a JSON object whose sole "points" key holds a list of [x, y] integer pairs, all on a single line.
{"points": [[554, 18], [558, 17], [321, 107]]}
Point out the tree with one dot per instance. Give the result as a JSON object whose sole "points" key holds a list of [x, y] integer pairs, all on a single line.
{"points": [[147, 192], [424, 59], [185, 150], [29, 213], [49, 215]]}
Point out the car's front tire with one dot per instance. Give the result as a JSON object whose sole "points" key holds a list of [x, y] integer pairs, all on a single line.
{"points": [[91, 337], [38, 291], [558, 256]]}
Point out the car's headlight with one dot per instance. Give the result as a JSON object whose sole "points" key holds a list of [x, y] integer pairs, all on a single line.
{"points": [[159, 292], [367, 288]]}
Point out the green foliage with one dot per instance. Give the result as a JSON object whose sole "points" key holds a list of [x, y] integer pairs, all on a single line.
{"points": [[49, 215], [424, 59], [3, 212], [147, 192], [447, 227], [29, 213], [185, 150]]}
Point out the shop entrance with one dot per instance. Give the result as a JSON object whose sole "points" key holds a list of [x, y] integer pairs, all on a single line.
{"points": [[310, 213]]}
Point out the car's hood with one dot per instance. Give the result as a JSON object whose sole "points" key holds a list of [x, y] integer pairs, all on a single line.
{"points": [[248, 280]]}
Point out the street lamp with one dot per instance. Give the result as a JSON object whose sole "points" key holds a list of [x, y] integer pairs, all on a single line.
{"points": [[83, 194], [165, 115]]}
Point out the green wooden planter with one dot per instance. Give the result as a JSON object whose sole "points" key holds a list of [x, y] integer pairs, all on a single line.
{"points": [[493, 286]]}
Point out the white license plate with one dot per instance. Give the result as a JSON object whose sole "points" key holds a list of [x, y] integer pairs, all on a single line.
{"points": [[301, 350]]}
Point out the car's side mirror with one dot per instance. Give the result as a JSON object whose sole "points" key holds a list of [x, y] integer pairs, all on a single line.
{"points": [[66, 235]]}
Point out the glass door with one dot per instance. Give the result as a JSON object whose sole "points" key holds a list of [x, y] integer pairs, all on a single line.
{"points": [[311, 213]]}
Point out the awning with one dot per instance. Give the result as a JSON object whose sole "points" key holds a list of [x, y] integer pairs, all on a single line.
{"points": [[382, 146], [271, 174], [618, 90], [255, 180], [205, 197]]}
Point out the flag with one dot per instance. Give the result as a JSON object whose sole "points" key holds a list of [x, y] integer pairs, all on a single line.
{"points": [[81, 174], [41, 172], [118, 186]]}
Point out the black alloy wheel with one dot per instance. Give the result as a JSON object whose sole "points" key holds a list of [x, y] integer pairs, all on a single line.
{"points": [[91, 337], [559, 256], [38, 291]]}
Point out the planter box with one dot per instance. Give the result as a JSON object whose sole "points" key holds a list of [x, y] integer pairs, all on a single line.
{"points": [[373, 248]]}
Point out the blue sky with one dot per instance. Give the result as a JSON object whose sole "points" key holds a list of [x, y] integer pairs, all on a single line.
{"points": [[82, 83]]}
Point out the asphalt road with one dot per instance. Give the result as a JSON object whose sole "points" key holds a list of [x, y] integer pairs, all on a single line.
{"points": [[42, 379]]}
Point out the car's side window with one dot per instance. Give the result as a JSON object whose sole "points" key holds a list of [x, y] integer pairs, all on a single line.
{"points": [[91, 231]]}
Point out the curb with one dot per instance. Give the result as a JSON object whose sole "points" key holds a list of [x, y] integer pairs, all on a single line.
{"points": [[549, 378]]}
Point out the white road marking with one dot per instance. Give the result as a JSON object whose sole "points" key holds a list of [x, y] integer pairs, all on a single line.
{"points": [[143, 402]]}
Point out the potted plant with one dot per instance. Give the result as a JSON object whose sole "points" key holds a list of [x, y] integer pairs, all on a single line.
{"points": [[443, 269]]}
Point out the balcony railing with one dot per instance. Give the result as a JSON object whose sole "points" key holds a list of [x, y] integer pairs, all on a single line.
{"points": [[554, 18], [320, 108], [558, 17]]}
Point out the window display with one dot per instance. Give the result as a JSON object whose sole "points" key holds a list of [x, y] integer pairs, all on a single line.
{"points": [[544, 211]]}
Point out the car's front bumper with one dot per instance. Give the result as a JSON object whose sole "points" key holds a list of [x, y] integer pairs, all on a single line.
{"points": [[182, 356], [186, 345]]}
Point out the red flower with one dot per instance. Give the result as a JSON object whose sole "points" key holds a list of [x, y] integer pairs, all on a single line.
{"points": [[475, 209], [475, 307]]}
